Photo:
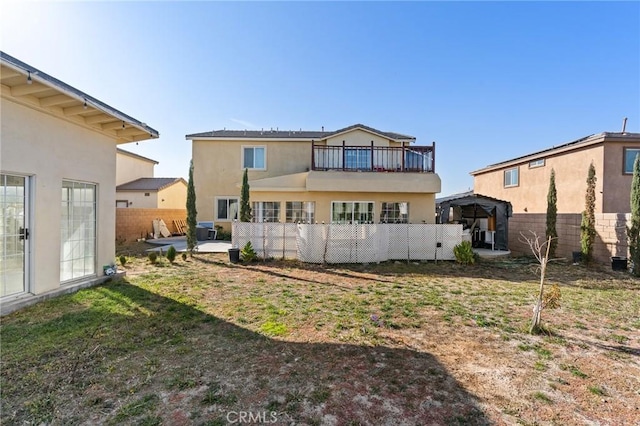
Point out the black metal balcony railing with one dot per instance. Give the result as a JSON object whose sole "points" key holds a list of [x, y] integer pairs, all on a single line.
{"points": [[420, 159]]}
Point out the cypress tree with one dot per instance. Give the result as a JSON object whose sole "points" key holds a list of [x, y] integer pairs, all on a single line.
{"points": [[633, 232], [552, 214], [245, 208], [192, 240], [588, 225]]}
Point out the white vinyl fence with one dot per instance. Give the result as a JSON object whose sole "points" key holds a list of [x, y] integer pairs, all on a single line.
{"points": [[366, 243]]}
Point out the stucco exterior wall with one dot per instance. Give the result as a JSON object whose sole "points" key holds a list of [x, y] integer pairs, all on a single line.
{"points": [[616, 189], [173, 197], [531, 194], [138, 200], [360, 138], [421, 206], [64, 152], [129, 168], [218, 168]]}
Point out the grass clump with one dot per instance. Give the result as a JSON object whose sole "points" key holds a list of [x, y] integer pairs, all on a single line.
{"points": [[153, 257]]}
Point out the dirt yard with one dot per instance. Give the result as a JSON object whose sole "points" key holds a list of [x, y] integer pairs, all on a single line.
{"points": [[206, 342]]}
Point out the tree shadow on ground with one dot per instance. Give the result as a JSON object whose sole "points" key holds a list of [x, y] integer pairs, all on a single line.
{"points": [[132, 356]]}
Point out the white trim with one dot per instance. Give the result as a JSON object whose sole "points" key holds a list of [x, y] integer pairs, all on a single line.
{"points": [[215, 207], [504, 175]]}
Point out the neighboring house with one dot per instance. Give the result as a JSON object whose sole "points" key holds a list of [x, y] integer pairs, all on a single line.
{"points": [[152, 193], [355, 174], [57, 183], [130, 166], [524, 182], [136, 187]]}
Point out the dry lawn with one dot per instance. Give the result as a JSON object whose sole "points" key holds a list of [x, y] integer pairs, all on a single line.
{"points": [[203, 341]]}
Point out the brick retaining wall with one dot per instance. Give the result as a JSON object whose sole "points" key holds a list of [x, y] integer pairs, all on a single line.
{"points": [[131, 224], [611, 234]]}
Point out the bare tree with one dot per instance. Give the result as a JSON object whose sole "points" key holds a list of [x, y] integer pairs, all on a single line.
{"points": [[552, 299]]}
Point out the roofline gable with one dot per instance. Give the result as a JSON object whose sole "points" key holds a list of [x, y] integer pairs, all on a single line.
{"points": [[581, 143], [36, 75], [134, 155]]}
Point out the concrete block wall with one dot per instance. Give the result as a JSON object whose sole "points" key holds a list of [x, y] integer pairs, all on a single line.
{"points": [[611, 236], [131, 224]]}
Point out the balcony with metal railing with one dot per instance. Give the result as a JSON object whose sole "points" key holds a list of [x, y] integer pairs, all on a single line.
{"points": [[404, 159]]}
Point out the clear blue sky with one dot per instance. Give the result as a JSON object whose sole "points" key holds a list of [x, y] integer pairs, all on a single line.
{"points": [[487, 81]]}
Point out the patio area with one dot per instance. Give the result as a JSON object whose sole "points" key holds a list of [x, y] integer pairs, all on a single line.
{"points": [[180, 244]]}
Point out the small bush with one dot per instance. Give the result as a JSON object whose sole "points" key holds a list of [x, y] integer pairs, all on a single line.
{"points": [[184, 256], [171, 254], [464, 253], [123, 260], [153, 257], [248, 253]]}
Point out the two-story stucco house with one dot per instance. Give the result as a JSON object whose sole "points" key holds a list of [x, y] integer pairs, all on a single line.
{"points": [[57, 183], [138, 188], [356, 174], [524, 182]]}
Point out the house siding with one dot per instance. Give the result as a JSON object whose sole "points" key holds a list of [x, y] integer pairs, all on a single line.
{"points": [[52, 150]]}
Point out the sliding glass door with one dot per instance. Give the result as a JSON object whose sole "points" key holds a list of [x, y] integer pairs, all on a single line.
{"points": [[14, 234]]}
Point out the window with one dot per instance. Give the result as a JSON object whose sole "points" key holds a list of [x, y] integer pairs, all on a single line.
{"points": [[394, 213], [357, 158], [536, 163], [266, 211], [511, 177], [146, 194], [351, 212], [254, 157], [78, 231], [300, 212], [122, 204], [629, 158], [227, 209]]}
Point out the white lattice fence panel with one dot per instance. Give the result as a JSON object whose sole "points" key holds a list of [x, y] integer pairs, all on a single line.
{"points": [[310, 242], [450, 236], [398, 246], [422, 242]]}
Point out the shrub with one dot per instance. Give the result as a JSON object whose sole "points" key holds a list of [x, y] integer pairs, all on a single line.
{"points": [[123, 260], [171, 254], [153, 257], [464, 253], [184, 256], [248, 253]]}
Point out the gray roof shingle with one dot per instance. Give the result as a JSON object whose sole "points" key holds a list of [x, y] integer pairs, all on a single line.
{"points": [[148, 184], [292, 134]]}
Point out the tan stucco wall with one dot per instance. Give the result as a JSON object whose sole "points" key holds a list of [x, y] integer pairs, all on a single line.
{"points": [[129, 168], [421, 206], [218, 174], [138, 200], [218, 169], [360, 138], [173, 197], [571, 182], [616, 190], [50, 150]]}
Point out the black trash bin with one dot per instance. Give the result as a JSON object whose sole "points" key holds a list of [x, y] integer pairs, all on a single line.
{"points": [[202, 233], [234, 255], [619, 263]]}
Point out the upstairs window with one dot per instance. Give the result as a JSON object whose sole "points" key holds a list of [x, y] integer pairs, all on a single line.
{"points": [[511, 177], [254, 157], [629, 158], [536, 163]]}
